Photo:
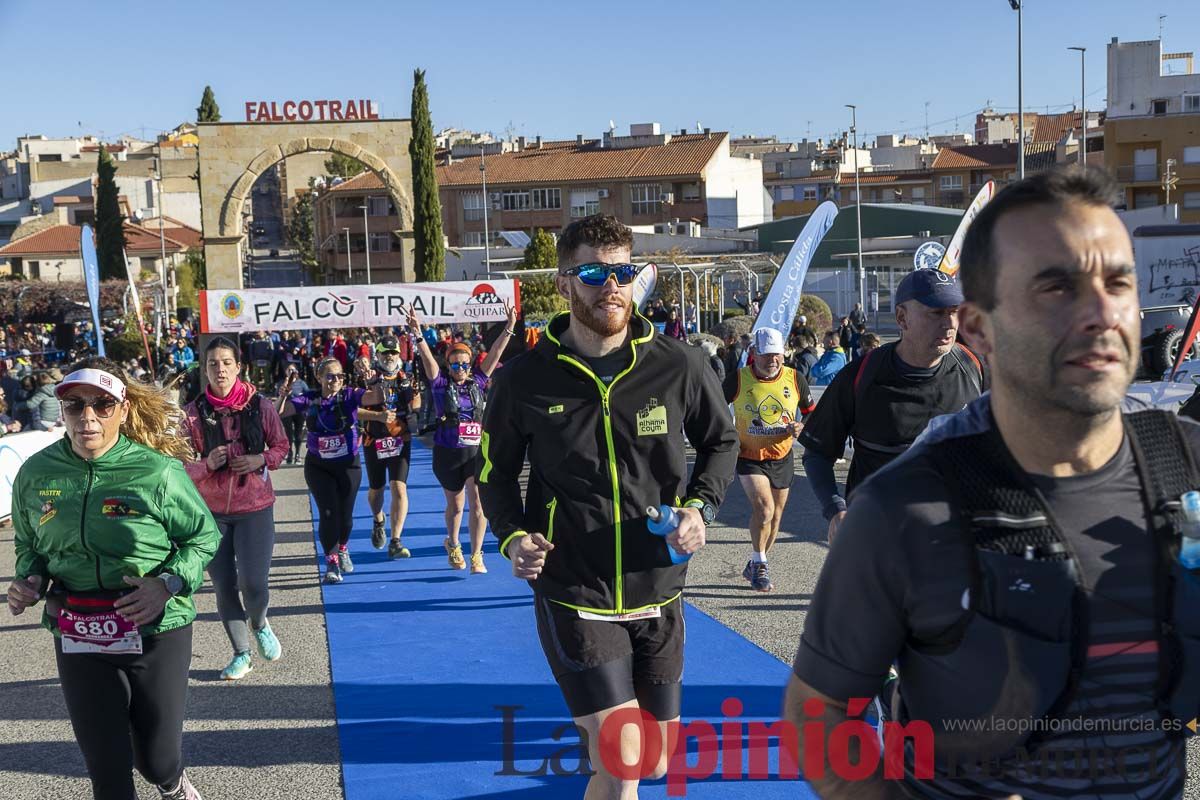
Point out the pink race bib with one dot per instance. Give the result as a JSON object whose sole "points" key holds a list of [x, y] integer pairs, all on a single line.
{"points": [[470, 433], [108, 632], [336, 446], [388, 447]]}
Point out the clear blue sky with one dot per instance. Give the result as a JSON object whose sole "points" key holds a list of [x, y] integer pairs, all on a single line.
{"points": [[567, 67]]}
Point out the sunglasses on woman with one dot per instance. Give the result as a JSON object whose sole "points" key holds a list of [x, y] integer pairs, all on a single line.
{"points": [[335, 376], [597, 274], [460, 366], [103, 406]]}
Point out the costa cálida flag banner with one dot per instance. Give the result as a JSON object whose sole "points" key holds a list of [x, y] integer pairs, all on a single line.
{"points": [[91, 276], [783, 301], [949, 263], [376, 305]]}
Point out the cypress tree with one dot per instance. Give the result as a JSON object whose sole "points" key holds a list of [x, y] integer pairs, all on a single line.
{"points": [[208, 111], [427, 210], [110, 226]]}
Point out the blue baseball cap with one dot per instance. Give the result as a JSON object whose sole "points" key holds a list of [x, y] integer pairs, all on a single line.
{"points": [[930, 287]]}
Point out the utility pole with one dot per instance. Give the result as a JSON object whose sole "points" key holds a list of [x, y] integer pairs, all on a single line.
{"points": [[1016, 5], [487, 253], [1082, 105], [857, 205]]}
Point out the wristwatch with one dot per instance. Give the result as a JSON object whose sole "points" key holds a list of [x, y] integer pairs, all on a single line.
{"points": [[708, 512], [174, 583]]}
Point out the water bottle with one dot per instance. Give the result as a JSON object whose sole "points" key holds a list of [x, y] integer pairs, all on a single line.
{"points": [[663, 520], [1189, 550]]}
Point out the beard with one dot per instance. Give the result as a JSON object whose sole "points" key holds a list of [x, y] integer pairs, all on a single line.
{"points": [[598, 321], [390, 365], [1037, 369]]}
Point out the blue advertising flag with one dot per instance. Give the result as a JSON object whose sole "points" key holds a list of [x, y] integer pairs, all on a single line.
{"points": [[91, 274], [783, 301]]}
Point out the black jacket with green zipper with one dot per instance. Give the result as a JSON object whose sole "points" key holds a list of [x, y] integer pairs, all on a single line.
{"points": [[598, 457]]}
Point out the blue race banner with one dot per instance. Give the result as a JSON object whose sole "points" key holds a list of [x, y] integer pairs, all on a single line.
{"points": [[779, 309], [91, 274]]}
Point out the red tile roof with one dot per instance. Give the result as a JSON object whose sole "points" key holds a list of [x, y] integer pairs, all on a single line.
{"points": [[62, 240], [95, 148], [976, 156], [898, 176], [1051, 128], [567, 161], [365, 182]]}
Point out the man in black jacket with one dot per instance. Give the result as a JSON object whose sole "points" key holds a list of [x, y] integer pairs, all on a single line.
{"points": [[600, 408]]}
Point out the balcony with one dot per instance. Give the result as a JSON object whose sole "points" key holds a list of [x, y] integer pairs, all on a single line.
{"points": [[1139, 173]]}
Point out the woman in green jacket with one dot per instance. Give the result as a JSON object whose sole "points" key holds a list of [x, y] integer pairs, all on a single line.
{"points": [[112, 533]]}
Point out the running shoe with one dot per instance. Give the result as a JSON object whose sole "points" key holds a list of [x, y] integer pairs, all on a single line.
{"points": [[184, 791], [344, 560], [477, 567], [237, 669], [333, 570], [268, 644], [454, 554], [397, 550], [760, 580], [378, 534]]}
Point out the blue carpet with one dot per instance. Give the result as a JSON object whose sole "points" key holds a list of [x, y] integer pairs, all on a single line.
{"points": [[442, 691]]}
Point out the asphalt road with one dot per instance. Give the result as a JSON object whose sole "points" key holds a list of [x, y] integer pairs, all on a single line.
{"points": [[233, 740]]}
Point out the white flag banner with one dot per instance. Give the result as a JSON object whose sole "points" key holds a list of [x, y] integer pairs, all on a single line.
{"points": [[374, 306]]}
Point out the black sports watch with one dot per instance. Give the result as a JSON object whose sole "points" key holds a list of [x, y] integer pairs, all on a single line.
{"points": [[174, 583], [708, 512]]}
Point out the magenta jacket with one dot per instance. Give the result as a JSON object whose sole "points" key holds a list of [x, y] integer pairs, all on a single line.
{"points": [[224, 492]]}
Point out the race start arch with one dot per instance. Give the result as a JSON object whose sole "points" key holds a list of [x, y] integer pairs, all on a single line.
{"points": [[232, 156]]}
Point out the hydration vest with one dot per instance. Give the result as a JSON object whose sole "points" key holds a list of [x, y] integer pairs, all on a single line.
{"points": [[250, 426], [450, 402], [1018, 656], [392, 388]]}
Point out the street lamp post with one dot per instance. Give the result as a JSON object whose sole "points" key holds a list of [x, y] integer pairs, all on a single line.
{"points": [[162, 243], [487, 252], [349, 267], [1016, 4], [857, 204], [367, 238], [1082, 105]]}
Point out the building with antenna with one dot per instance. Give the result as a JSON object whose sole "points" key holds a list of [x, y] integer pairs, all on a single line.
{"points": [[1152, 126]]}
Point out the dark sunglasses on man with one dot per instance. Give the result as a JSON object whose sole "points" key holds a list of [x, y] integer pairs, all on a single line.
{"points": [[597, 274]]}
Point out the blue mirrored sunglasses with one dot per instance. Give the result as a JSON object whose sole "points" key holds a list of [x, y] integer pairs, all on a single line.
{"points": [[460, 366], [597, 274]]}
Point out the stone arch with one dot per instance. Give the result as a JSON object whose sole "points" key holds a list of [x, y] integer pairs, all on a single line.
{"points": [[231, 218]]}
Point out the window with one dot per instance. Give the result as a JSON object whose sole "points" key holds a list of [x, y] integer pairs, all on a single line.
{"points": [[585, 203], [785, 193], [547, 198], [1158, 107], [810, 193], [49, 157], [378, 206], [1191, 155], [1145, 199], [381, 242], [472, 203], [35, 270], [918, 195], [1191, 200], [473, 239], [951, 182], [515, 201], [1191, 102], [646, 198], [691, 192]]}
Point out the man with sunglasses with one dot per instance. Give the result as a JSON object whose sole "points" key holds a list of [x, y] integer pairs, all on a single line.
{"points": [[600, 408]]}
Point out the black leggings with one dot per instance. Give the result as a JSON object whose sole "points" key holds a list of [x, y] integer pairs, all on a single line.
{"points": [[127, 711], [334, 485], [293, 426]]}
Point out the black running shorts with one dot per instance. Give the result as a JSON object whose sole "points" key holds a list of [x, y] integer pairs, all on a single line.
{"points": [[779, 472], [599, 665], [453, 465], [380, 471]]}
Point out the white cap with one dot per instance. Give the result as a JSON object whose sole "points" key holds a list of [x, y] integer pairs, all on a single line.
{"points": [[105, 381], [768, 341]]}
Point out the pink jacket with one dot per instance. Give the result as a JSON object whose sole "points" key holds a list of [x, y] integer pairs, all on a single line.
{"points": [[224, 492]]}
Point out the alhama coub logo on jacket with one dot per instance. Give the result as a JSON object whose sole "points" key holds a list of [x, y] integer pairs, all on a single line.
{"points": [[652, 419]]}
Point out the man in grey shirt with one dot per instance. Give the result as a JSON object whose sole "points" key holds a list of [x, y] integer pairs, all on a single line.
{"points": [[1052, 304]]}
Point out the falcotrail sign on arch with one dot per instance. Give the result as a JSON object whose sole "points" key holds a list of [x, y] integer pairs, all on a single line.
{"points": [[379, 305]]}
